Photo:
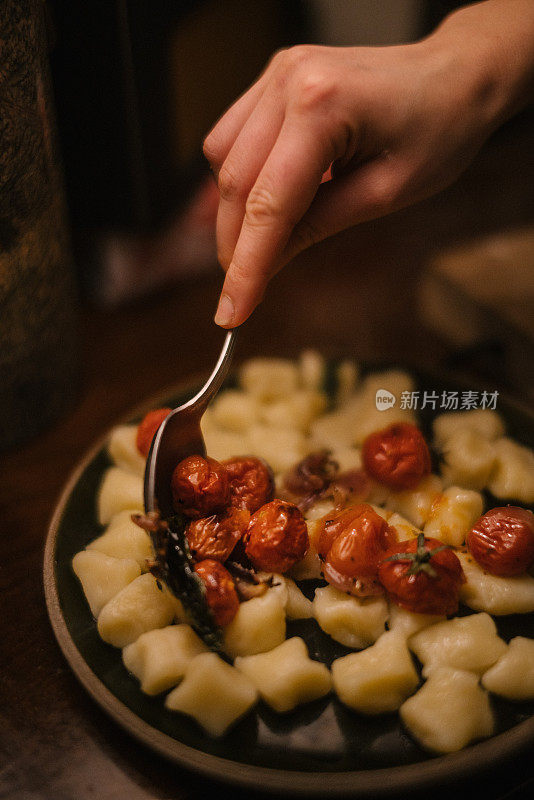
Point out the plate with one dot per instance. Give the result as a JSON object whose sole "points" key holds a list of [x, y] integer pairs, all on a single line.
{"points": [[318, 749]]}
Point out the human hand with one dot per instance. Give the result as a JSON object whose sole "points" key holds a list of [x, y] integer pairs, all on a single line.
{"points": [[397, 124]]}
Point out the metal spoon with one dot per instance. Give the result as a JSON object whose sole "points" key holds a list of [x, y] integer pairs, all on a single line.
{"points": [[180, 436]]}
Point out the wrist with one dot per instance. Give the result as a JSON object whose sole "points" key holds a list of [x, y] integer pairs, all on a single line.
{"points": [[486, 53]]}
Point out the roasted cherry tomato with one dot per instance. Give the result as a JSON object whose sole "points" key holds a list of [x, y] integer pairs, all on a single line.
{"points": [[397, 456], [148, 427], [216, 536], [352, 543], [502, 541], [221, 594], [422, 575], [277, 537], [199, 486], [251, 482]]}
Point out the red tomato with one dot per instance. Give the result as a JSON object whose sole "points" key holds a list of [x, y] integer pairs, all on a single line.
{"points": [[221, 594], [352, 543], [199, 486], [502, 541], [277, 537], [216, 536], [397, 456], [148, 427], [422, 575], [251, 482]]}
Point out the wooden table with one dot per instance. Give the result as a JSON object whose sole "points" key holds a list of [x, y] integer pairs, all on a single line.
{"points": [[354, 295]]}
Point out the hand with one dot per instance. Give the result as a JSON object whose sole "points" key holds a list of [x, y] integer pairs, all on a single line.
{"points": [[396, 124]]}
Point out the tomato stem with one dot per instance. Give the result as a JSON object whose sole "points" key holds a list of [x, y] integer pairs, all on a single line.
{"points": [[420, 558]]}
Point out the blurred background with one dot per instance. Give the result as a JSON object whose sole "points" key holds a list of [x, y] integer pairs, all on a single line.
{"points": [[109, 282], [137, 86], [126, 92]]}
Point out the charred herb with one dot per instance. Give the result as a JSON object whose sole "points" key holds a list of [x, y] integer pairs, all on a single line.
{"points": [[174, 565]]}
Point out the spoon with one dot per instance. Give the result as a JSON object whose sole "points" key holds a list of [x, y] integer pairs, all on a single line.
{"points": [[180, 436]]}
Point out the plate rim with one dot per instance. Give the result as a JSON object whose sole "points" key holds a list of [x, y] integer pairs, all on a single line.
{"points": [[377, 782]]}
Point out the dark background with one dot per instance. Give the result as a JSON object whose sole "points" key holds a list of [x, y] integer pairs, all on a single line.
{"points": [[133, 104]]}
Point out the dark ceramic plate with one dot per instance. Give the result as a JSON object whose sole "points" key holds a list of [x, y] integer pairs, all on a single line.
{"points": [[321, 748]]}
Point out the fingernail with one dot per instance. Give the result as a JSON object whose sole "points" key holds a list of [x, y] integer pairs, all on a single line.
{"points": [[225, 311]]}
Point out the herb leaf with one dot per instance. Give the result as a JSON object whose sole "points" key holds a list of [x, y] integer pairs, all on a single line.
{"points": [[174, 565], [188, 587]]}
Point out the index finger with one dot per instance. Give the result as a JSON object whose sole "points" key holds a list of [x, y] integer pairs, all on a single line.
{"points": [[281, 195]]}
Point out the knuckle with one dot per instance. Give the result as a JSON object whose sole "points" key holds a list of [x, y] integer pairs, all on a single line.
{"points": [[229, 188], [262, 207], [278, 57], [288, 62], [299, 55], [211, 149], [316, 90], [238, 275]]}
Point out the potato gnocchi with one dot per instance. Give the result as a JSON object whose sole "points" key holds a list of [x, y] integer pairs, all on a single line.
{"points": [[468, 643], [159, 658], [449, 711], [378, 679], [214, 693], [280, 412], [286, 676]]}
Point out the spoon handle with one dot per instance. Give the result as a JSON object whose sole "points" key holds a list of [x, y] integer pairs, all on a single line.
{"points": [[219, 373]]}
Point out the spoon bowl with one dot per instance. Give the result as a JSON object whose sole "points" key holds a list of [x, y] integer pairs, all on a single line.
{"points": [[180, 436]]}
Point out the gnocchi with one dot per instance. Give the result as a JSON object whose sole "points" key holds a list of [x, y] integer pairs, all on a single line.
{"points": [[286, 676], [102, 576], [279, 412], [407, 622], [416, 504], [122, 538], [141, 606], [450, 710], [159, 658], [512, 676], [214, 693], [468, 459], [378, 679], [493, 593], [453, 514], [259, 625], [469, 643], [123, 450], [120, 490], [483, 421], [513, 474], [351, 621]]}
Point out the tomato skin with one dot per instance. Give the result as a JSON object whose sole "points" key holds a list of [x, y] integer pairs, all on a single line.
{"points": [[251, 482], [216, 536], [502, 541], [221, 594], [337, 522], [277, 537], [397, 456], [147, 429], [351, 544], [421, 592], [199, 486]]}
